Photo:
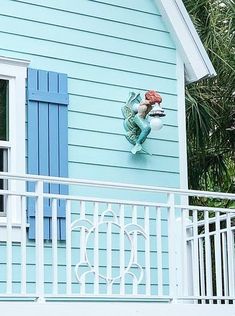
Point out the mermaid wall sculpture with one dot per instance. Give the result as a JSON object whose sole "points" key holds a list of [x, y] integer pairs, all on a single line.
{"points": [[141, 116]]}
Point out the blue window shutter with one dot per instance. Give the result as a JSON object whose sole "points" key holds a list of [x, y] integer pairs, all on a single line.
{"points": [[47, 141]]}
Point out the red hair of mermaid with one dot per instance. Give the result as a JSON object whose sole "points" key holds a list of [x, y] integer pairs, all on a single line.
{"points": [[153, 97]]}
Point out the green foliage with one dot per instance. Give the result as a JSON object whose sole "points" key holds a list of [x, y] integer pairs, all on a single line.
{"points": [[210, 103]]}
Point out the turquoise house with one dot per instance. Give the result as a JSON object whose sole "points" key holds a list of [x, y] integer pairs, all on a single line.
{"points": [[85, 223]]}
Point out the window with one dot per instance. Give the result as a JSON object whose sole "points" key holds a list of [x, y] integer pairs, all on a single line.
{"points": [[3, 183], [4, 96], [4, 135], [12, 127]]}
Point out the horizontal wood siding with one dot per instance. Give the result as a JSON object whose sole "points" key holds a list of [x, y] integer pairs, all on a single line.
{"points": [[108, 48]]}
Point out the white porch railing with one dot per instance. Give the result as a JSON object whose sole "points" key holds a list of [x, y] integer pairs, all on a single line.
{"points": [[120, 249]]}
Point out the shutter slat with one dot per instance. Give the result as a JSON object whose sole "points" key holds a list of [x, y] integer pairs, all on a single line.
{"points": [[44, 161], [44, 147], [63, 154], [53, 131], [48, 130], [32, 149], [43, 139], [63, 83], [42, 81], [54, 144]]}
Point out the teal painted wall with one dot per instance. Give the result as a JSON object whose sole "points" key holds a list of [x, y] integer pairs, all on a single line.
{"points": [[107, 48]]}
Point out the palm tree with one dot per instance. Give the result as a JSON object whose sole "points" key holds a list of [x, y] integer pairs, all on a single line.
{"points": [[210, 104]]}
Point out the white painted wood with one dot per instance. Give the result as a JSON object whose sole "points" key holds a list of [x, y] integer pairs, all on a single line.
{"points": [[231, 254], [135, 244], [225, 264], [68, 248], [114, 309], [109, 255], [54, 248], [147, 251], [83, 246], [184, 247], [218, 262], [207, 208], [39, 240], [202, 268], [196, 61], [15, 71], [127, 186], [208, 257], [192, 262], [171, 245], [96, 248], [122, 248], [183, 161], [9, 247], [159, 251], [195, 255], [211, 234], [5, 144], [12, 62], [190, 285], [23, 245]]}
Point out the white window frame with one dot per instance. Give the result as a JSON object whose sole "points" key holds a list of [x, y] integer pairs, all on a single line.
{"points": [[15, 71]]}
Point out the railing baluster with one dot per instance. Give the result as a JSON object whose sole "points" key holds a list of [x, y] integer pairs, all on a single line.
{"points": [[68, 249], [147, 252], [202, 268], [225, 265], [122, 249], [23, 244], [208, 256], [39, 241], [195, 255], [96, 248], [83, 245], [171, 245], [184, 247], [218, 263], [9, 245], [135, 243], [230, 245], [190, 269], [109, 254], [54, 248], [159, 251]]}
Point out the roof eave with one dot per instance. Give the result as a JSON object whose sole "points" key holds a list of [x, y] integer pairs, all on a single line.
{"points": [[195, 58]]}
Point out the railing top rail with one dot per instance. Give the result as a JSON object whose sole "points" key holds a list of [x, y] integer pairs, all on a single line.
{"points": [[212, 220], [84, 198], [117, 201], [116, 185], [205, 208]]}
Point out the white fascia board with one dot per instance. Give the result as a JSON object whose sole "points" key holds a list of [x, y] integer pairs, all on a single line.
{"points": [[183, 161], [196, 61]]}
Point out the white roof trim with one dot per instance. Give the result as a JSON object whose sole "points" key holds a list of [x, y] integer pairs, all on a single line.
{"points": [[196, 61]]}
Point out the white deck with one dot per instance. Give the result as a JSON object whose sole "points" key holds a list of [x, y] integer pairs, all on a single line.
{"points": [[114, 309]]}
